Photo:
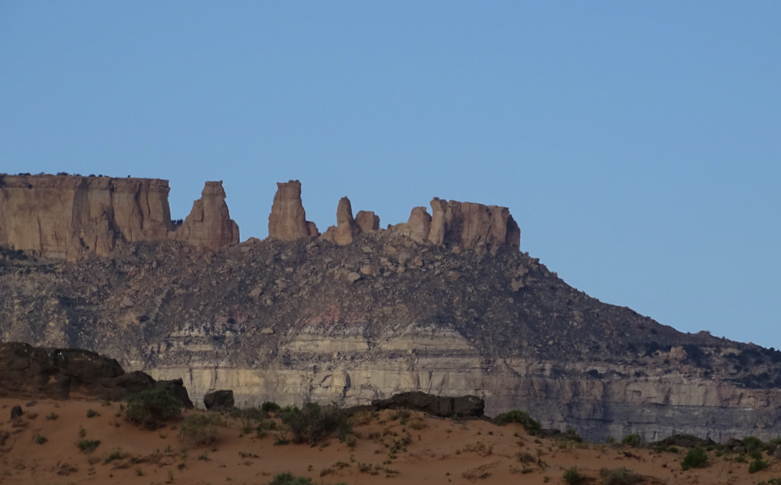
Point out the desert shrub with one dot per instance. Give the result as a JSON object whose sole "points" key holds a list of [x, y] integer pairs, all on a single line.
{"points": [[152, 407], [199, 429], [633, 439], [270, 407], [289, 479], [573, 477], [40, 439], [516, 416], [91, 413], [757, 465], [314, 422], [620, 476], [772, 481], [695, 458], [88, 446], [754, 447]]}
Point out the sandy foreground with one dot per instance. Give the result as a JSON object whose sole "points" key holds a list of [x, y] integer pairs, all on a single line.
{"points": [[390, 447]]}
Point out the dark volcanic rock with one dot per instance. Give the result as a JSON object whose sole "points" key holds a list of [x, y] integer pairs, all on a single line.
{"points": [[446, 407], [16, 412], [59, 373], [216, 400]]}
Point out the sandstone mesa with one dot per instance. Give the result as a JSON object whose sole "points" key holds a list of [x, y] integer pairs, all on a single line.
{"points": [[444, 303]]}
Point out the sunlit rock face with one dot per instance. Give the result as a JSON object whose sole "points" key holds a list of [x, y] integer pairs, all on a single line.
{"points": [[443, 303], [70, 216]]}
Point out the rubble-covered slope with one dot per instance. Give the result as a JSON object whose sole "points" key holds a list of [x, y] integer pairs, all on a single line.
{"points": [[307, 319]]}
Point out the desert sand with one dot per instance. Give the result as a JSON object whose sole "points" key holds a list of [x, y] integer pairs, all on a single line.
{"points": [[394, 447]]}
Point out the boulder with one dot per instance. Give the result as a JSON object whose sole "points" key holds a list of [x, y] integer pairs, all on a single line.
{"points": [[16, 412], [443, 406], [218, 400], [287, 221]]}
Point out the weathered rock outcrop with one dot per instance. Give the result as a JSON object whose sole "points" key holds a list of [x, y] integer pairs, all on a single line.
{"points": [[367, 221], [29, 371], [287, 221], [471, 225], [69, 216], [346, 228], [443, 406], [209, 224]]}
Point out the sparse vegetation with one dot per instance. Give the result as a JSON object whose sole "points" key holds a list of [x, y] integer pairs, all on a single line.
{"points": [[88, 446], [695, 458], [531, 426], [573, 477], [634, 440], [757, 465], [619, 476], [91, 413], [39, 439], [314, 422], [52, 416], [200, 429], [270, 407], [289, 479], [153, 407]]}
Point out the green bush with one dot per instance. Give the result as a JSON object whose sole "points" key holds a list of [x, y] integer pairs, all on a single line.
{"points": [[516, 416], [573, 477], [270, 407], [88, 446], [757, 465], [288, 479], [313, 422], [153, 407], [200, 429], [634, 440], [695, 458], [620, 476]]}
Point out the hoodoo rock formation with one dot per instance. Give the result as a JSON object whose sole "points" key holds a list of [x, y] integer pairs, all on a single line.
{"points": [[209, 224], [359, 314], [287, 221], [69, 216]]}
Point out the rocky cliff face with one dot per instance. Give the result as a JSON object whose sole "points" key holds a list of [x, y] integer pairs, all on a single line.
{"points": [[444, 304], [69, 216]]}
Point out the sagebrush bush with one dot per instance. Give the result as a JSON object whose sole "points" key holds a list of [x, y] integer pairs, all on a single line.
{"points": [[757, 465], [153, 407], [200, 429], [270, 407], [531, 425], [620, 476], [88, 446], [573, 477], [632, 440], [314, 422], [289, 479], [695, 458]]}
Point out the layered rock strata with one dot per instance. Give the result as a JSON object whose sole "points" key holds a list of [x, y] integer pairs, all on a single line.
{"points": [[69, 216], [310, 320]]}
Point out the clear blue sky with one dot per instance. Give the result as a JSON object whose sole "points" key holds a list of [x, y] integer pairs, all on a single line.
{"points": [[638, 144]]}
